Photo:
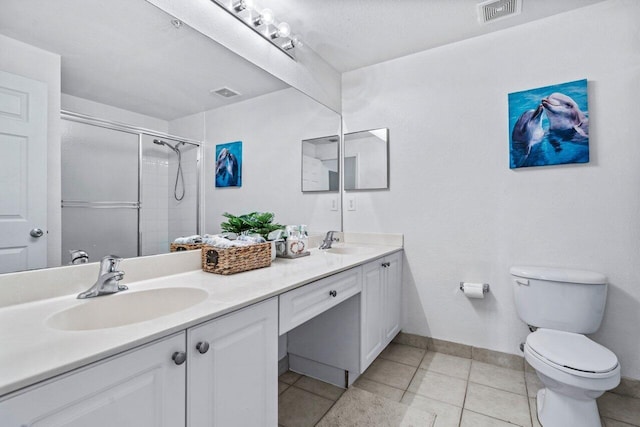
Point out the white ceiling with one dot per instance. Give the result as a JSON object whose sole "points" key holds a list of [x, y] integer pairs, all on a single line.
{"points": [[351, 34], [126, 53]]}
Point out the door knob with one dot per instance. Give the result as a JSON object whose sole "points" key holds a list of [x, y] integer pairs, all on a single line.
{"points": [[179, 357], [36, 232], [202, 347]]}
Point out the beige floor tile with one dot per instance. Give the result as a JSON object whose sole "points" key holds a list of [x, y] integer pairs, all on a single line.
{"points": [[403, 354], [380, 389], [282, 386], [395, 374], [359, 408], [503, 405], [533, 383], [439, 387], [446, 415], [326, 390], [533, 409], [473, 419], [620, 408], [607, 422], [299, 408], [501, 378], [453, 366], [289, 377], [628, 387]]}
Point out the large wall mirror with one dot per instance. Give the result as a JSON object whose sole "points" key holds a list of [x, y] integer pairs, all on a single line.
{"points": [[320, 164], [366, 160], [128, 62]]}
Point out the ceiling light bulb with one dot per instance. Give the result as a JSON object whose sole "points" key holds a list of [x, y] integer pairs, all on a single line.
{"points": [[284, 30], [267, 17]]}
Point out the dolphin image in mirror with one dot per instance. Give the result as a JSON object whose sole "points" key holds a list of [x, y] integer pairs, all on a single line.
{"points": [[226, 168]]}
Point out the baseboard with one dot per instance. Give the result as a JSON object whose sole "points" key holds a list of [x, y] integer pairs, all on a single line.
{"points": [[320, 371], [283, 365]]}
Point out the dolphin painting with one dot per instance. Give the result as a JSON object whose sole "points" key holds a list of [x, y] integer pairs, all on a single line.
{"points": [[227, 169], [565, 116]]}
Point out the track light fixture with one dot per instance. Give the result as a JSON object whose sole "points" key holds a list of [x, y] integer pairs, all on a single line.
{"points": [[263, 22]]}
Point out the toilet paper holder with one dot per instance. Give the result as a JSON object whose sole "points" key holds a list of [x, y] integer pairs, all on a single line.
{"points": [[485, 287]]}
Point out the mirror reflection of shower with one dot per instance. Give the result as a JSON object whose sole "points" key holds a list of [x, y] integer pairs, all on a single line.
{"points": [[179, 176], [119, 194]]}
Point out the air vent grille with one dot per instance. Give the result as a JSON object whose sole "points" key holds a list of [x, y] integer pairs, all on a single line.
{"points": [[225, 92], [493, 10]]}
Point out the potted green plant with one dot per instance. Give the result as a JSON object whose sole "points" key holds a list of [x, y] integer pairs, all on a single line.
{"points": [[254, 222]]}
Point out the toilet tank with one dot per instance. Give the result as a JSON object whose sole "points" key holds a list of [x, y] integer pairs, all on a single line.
{"points": [[554, 298]]}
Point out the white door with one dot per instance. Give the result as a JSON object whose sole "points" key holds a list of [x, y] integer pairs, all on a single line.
{"points": [[232, 369], [144, 387], [23, 173]]}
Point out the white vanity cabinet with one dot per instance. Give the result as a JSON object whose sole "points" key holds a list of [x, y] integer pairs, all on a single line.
{"points": [[225, 371], [380, 306], [232, 369], [143, 387]]}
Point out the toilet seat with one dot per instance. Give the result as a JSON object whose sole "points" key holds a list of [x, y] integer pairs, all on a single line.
{"points": [[572, 353]]}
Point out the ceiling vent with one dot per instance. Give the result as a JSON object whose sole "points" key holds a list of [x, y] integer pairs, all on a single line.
{"points": [[225, 92], [494, 10]]}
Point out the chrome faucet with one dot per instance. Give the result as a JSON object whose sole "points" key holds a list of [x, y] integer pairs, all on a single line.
{"points": [[108, 279], [328, 240]]}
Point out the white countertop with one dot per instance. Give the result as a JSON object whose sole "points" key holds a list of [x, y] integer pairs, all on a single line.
{"points": [[31, 351]]}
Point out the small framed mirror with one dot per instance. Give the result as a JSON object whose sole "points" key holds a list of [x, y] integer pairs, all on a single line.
{"points": [[320, 166], [366, 160]]}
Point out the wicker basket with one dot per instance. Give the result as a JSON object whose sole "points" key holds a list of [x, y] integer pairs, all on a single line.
{"points": [[178, 247], [237, 259]]}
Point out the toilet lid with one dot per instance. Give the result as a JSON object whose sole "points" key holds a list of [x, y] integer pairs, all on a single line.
{"points": [[573, 351]]}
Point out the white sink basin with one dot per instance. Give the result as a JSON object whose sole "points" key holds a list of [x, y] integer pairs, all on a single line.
{"points": [[125, 308], [349, 250]]}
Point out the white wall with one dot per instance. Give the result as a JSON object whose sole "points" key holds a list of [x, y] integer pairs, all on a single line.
{"points": [[466, 215], [271, 128], [34, 63]]}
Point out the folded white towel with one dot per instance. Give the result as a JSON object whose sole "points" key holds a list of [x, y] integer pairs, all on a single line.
{"points": [[221, 242], [190, 239]]}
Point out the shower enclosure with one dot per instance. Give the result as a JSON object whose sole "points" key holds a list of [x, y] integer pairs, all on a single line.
{"points": [[125, 190]]}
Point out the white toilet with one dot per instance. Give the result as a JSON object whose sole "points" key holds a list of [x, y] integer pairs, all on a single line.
{"points": [[563, 305]]}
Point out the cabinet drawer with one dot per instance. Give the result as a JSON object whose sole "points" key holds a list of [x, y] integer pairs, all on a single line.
{"points": [[299, 305]]}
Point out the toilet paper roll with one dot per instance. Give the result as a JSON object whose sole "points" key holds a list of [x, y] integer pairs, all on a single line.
{"points": [[473, 290]]}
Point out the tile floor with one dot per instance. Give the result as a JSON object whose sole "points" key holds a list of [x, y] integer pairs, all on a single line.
{"points": [[460, 392]]}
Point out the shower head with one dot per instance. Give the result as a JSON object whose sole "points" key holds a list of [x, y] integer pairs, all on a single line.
{"points": [[161, 142]]}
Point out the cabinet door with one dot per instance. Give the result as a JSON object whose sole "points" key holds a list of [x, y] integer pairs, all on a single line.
{"points": [[393, 295], [235, 382], [143, 387], [372, 314]]}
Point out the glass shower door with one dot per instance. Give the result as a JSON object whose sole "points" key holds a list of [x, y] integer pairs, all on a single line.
{"points": [[100, 191]]}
